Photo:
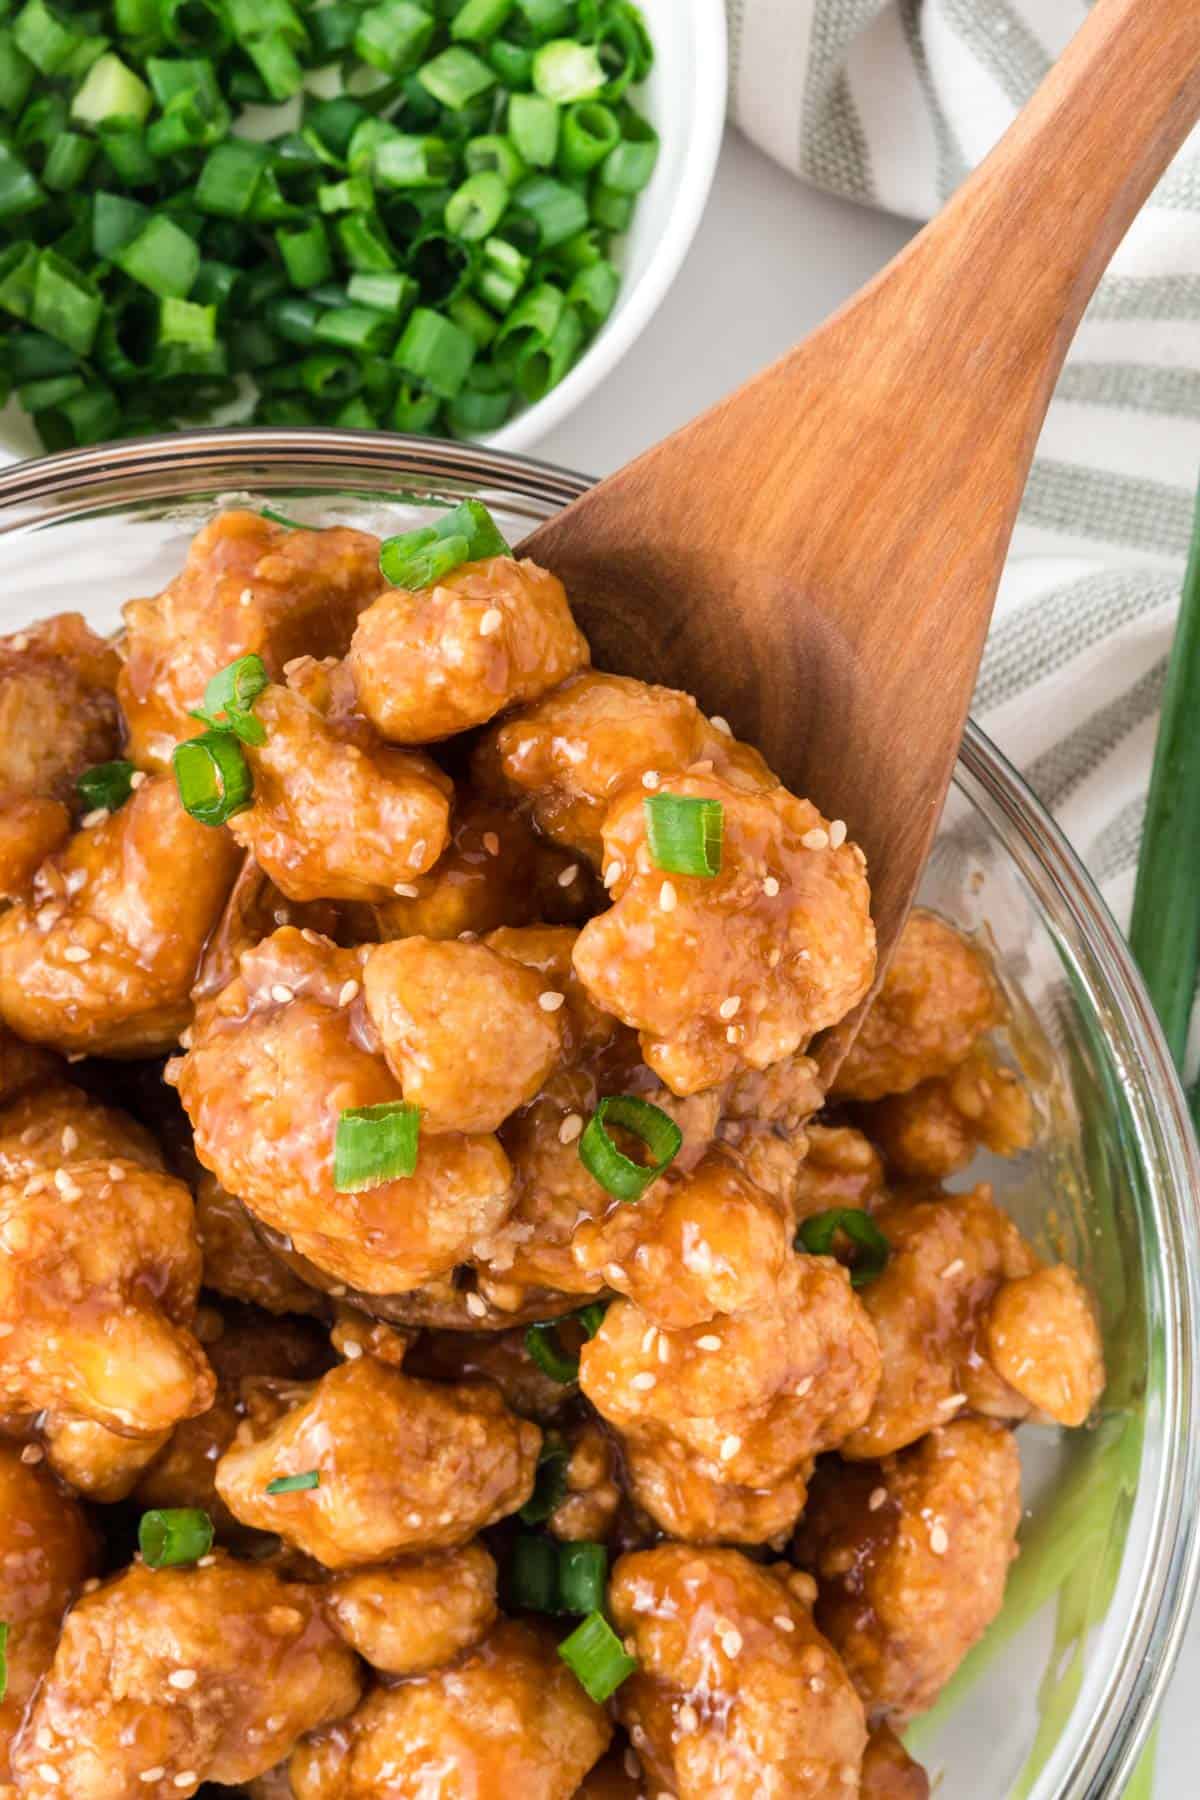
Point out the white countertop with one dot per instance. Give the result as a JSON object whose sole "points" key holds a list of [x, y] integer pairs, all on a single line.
{"points": [[772, 258]]}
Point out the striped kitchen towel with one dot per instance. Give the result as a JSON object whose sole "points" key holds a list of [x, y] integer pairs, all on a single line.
{"points": [[890, 102]]}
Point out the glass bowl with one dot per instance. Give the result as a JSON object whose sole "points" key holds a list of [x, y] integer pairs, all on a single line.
{"points": [[1056, 1702]]}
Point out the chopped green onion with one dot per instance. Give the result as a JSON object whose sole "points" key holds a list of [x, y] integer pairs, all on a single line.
{"points": [[476, 20], [161, 257], [375, 1144], [564, 71], [295, 1484], [685, 834], [212, 776], [66, 305], [533, 125], [50, 391], [630, 164], [480, 323], [610, 209], [550, 1483], [456, 77], [416, 559], [172, 1536], [533, 1574], [20, 190], [474, 209], [278, 518], [16, 74], [617, 1173], [413, 162], [111, 91], [305, 253], [435, 352], [591, 1317], [3, 1659], [364, 244], [558, 212], [501, 273], [393, 37], [513, 63], [384, 290], [415, 410], [230, 695], [582, 1577], [42, 38], [332, 29], [541, 1341], [183, 322], [542, 366], [817, 1234], [231, 173], [596, 1657], [495, 155], [590, 131], [593, 292], [277, 63], [357, 327], [107, 785], [546, 18]]}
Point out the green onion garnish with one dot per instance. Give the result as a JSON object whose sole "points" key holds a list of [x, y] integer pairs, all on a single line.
{"points": [[375, 1144], [107, 785], [295, 1484], [212, 776], [533, 1574], [816, 1235], [596, 1657], [582, 1577], [173, 1536], [278, 518], [416, 559], [564, 71], [550, 1485], [3, 1660], [542, 1343], [617, 1173], [685, 833], [230, 695]]}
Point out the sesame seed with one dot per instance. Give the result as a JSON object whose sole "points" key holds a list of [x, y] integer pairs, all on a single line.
{"points": [[246, 597], [953, 1400], [570, 1128], [206, 1562], [733, 1034], [648, 1337], [491, 843], [550, 1001], [689, 1718], [667, 896], [721, 725], [802, 1387], [182, 1679], [284, 995], [783, 1622], [138, 779], [491, 621], [76, 953], [97, 816], [77, 878], [730, 1447], [70, 1139], [774, 957], [477, 1306], [664, 1349], [613, 873], [154, 1774], [939, 1542], [710, 1341], [729, 1009], [66, 1187], [651, 779], [47, 917], [952, 1269], [837, 834], [19, 642], [349, 992], [816, 839], [645, 1381], [406, 890], [49, 1774], [614, 1273], [731, 1642], [187, 1778], [566, 876], [31, 1454], [353, 1350], [116, 1172], [771, 886], [414, 1519]]}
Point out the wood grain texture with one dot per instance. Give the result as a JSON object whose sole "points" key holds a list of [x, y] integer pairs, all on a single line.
{"points": [[817, 556]]}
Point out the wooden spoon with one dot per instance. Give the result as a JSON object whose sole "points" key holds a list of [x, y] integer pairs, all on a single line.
{"points": [[817, 557]]}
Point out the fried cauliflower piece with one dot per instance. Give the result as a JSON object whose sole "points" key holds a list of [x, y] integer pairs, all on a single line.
{"points": [[256, 908], [337, 814], [469, 1034], [841, 1168], [952, 1261], [237, 1263], [58, 716], [99, 1271], [490, 635], [911, 1556], [934, 1129], [247, 585], [936, 1000], [737, 1692], [46, 1552], [404, 1465], [60, 1124], [275, 1059], [101, 958], [409, 1617], [103, 1466], [889, 1772], [510, 1720], [166, 1678], [495, 871], [588, 1508], [750, 1399], [737, 971], [567, 757]]}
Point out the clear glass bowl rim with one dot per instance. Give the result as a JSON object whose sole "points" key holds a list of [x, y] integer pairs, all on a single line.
{"points": [[1104, 1748]]}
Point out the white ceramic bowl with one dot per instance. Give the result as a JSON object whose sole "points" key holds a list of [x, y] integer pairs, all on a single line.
{"points": [[685, 99]]}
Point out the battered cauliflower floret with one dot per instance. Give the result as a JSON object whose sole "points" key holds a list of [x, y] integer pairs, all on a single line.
{"points": [[58, 716], [1043, 1339], [60, 1124], [101, 957], [46, 1552], [469, 1034], [337, 814], [934, 1129], [952, 1261], [842, 1168], [750, 1398], [936, 1000], [737, 971], [99, 1271], [490, 635], [166, 1678], [911, 1556], [256, 908], [404, 1465], [737, 1693], [248, 585], [889, 1772], [678, 1493], [510, 1720], [409, 1617], [103, 1466], [237, 1263], [275, 1060], [568, 756], [495, 871], [589, 1506]]}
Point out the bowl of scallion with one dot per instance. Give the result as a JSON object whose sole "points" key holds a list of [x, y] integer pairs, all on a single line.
{"points": [[449, 217]]}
